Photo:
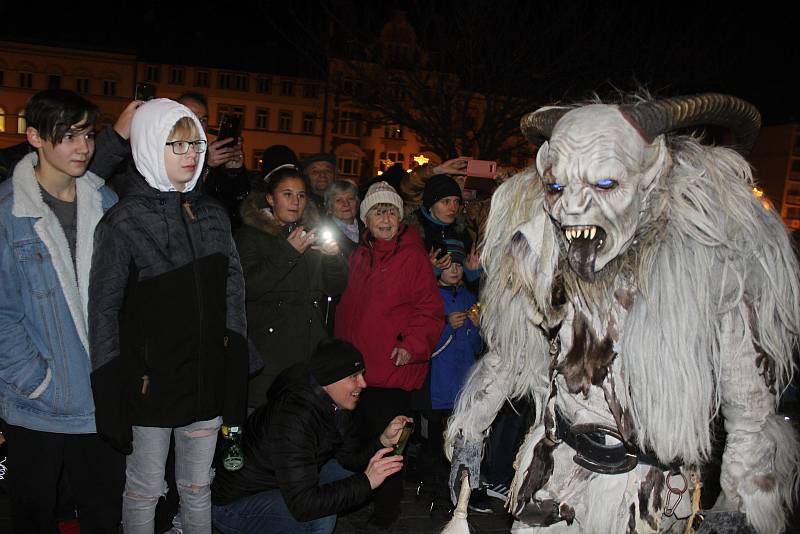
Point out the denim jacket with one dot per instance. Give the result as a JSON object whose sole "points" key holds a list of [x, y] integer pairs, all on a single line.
{"points": [[44, 356]]}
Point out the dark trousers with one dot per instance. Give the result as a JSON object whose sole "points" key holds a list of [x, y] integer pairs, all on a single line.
{"points": [[36, 461], [377, 407]]}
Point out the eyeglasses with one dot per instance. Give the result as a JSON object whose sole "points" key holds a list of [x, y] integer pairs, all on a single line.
{"points": [[180, 148]]}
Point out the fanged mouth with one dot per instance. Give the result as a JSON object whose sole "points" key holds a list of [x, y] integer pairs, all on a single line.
{"points": [[583, 232]]}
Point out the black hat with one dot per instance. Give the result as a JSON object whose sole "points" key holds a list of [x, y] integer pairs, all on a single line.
{"points": [[437, 187], [321, 156], [333, 360]]}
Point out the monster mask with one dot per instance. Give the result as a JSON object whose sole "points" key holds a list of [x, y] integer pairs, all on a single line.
{"points": [[598, 172], [600, 163]]}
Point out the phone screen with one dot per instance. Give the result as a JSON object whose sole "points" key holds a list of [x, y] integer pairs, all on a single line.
{"points": [[229, 126], [144, 91]]}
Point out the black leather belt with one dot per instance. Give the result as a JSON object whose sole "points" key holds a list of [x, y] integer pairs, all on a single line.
{"points": [[592, 452]]}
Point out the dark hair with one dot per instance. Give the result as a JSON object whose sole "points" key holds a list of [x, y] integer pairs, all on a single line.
{"points": [[273, 179], [55, 111], [192, 95]]}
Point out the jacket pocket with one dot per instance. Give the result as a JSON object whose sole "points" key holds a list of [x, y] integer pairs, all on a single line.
{"points": [[36, 265]]}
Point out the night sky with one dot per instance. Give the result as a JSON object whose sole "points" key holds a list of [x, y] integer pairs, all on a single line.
{"points": [[582, 47]]}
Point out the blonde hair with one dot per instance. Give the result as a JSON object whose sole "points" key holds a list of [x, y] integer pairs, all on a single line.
{"points": [[185, 129]]}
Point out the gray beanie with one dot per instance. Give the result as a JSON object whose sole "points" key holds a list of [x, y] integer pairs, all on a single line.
{"points": [[380, 193]]}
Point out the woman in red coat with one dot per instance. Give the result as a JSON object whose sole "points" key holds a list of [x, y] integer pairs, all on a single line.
{"points": [[393, 313]]}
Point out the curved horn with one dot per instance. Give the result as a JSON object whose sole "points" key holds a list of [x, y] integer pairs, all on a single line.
{"points": [[661, 116], [538, 125]]}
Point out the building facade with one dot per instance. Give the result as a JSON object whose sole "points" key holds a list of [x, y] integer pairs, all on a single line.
{"points": [[307, 115]]}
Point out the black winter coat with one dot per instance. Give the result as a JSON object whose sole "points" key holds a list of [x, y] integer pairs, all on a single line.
{"points": [[287, 293], [166, 313], [287, 442]]}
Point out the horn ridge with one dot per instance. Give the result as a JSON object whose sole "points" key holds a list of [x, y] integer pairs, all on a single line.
{"points": [[669, 114]]}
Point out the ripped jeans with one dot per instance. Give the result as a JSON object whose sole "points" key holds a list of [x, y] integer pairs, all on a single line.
{"points": [[144, 475]]}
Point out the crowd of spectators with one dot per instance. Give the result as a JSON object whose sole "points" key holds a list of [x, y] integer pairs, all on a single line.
{"points": [[184, 293]]}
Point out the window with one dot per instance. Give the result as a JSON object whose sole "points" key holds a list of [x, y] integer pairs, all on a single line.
{"points": [[2, 119], [240, 82], [390, 158], [232, 81], [311, 90], [109, 88], [26, 80], [258, 162], [54, 81], [393, 131], [348, 166], [285, 121], [264, 85], [350, 123], [287, 88], [201, 78], [230, 109], [262, 118], [82, 85], [308, 123], [177, 75], [2, 77], [152, 73], [22, 124]]}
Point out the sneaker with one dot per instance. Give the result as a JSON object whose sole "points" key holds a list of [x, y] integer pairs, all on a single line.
{"points": [[479, 502], [498, 491]]}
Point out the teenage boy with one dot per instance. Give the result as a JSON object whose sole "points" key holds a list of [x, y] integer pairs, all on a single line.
{"points": [[48, 213], [167, 318]]}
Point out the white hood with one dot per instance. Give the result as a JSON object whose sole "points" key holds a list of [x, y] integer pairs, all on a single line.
{"points": [[150, 129]]}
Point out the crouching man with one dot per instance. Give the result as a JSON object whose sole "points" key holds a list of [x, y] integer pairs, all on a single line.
{"points": [[304, 462]]}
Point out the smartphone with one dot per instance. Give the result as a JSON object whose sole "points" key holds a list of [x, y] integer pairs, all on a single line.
{"points": [[322, 235], [481, 168], [144, 91], [229, 126], [400, 446]]}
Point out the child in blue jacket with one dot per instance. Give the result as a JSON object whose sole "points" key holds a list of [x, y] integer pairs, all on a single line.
{"points": [[455, 353]]}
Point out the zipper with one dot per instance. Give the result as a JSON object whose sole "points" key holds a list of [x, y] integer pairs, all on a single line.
{"points": [[187, 208]]}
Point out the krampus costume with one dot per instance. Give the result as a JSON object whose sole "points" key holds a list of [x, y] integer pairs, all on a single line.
{"points": [[636, 287]]}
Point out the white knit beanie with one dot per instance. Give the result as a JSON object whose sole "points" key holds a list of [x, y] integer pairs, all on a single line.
{"points": [[380, 193]]}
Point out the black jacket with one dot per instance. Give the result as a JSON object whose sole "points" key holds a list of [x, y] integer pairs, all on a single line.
{"points": [[287, 292], [286, 443], [166, 313]]}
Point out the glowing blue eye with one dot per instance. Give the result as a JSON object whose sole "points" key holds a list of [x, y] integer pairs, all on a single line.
{"points": [[606, 183], [554, 188]]}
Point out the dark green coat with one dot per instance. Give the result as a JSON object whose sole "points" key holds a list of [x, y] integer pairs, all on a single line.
{"points": [[286, 293]]}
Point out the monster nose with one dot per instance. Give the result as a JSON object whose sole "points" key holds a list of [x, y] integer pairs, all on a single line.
{"points": [[576, 202]]}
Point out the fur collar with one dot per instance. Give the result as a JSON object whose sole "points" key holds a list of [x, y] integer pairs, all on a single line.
{"points": [[28, 202]]}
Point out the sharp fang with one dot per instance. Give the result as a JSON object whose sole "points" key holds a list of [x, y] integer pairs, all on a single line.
{"points": [[566, 234], [585, 233], [575, 233], [592, 232]]}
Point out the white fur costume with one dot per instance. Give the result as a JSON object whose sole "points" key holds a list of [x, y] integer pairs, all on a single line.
{"points": [[677, 296]]}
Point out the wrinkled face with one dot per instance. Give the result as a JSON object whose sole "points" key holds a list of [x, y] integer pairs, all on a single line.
{"points": [[320, 175], [383, 221], [344, 206], [347, 391], [597, 172]]}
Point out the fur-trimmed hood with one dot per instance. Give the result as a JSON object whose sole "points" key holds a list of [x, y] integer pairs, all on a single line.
{"points": [[256, 212]]}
